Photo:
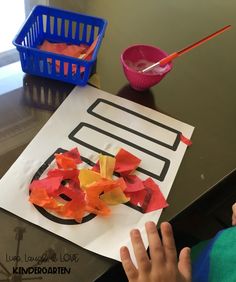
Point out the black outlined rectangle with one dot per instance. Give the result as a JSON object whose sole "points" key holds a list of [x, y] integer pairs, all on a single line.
{"points": [[166, 162], [174, 146]]}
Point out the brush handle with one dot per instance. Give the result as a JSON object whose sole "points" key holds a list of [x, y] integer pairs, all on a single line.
{"points": [[169, 58], [172, 56], [194, 45]]}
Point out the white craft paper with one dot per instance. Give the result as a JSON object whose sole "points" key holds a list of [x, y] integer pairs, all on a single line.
{"points": [[102, 235]]}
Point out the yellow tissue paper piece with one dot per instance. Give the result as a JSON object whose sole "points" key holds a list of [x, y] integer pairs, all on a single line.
{"points": [[87, 177], [114, 197], [107, 165]]}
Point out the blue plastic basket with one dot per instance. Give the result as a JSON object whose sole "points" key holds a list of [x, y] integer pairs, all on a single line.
{"points": [[57, 25]]}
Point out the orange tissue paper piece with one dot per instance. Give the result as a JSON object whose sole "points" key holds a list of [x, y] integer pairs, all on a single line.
{"points": [[75, 208], [71, 50], [65, 162], [100, 186], [74, 50], [105, 185], [68, 160], [94, 203], [52, 47], [111, 189], [40, 197], [98, 207], [126, 162]]}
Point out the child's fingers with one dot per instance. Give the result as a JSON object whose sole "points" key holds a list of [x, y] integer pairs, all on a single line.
{"points": [[140, 251], [129, 267], [234, 214], [184, 265], [168, 242], [155, 244]]}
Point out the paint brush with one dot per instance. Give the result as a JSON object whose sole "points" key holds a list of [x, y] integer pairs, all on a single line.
{"points": [[174, 55]]}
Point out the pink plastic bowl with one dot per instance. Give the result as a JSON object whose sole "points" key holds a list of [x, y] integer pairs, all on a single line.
{"points": [[135, 53]]}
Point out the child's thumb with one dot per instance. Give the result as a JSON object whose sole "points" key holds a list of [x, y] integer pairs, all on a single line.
{"points": [[184, 265]]}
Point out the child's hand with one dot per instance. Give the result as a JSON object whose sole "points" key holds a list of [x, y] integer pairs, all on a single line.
{"points": [[234, 214], [163, 265]]}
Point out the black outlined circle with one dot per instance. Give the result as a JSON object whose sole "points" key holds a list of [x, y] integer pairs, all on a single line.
{"points": [[43, 211]]}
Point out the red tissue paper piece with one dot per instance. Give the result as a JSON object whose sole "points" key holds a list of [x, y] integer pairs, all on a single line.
{"points": [[72, 174], [133, 183], [185, 140], [49, 184], [96, 167], [74, 154], [150, 198], [157, 200], [137, 198], [126, 163]]}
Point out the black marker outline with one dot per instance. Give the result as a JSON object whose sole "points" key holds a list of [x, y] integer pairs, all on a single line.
{"points": [[171, 147], [166, 161]]}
